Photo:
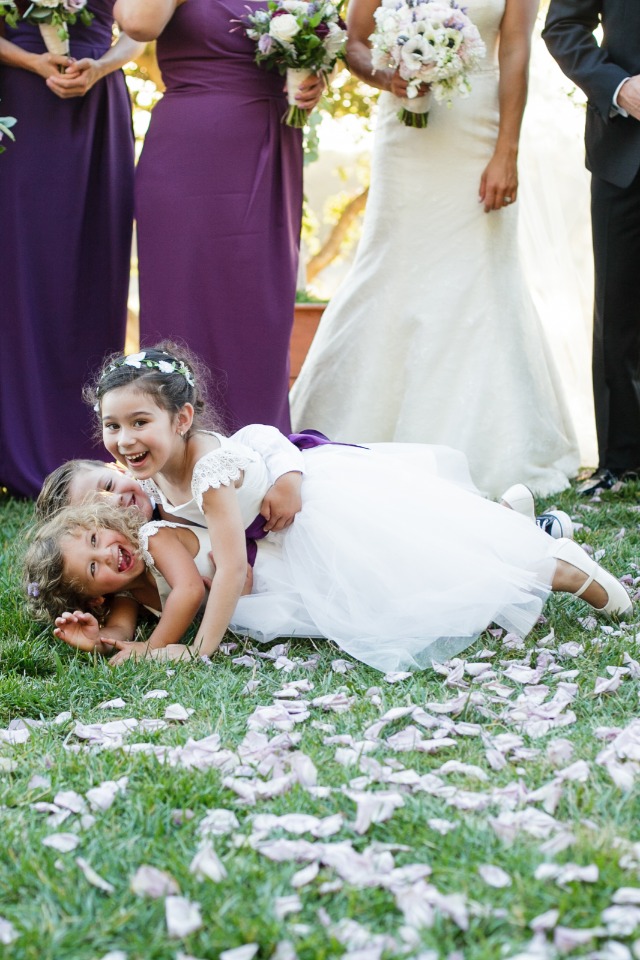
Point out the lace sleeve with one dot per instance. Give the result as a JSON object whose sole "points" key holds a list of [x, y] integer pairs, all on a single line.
{"points": [[148, 530], [219, 468], [151, 490]]}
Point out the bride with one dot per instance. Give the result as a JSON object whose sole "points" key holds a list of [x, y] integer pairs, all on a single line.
{"points": [[434, 337]]}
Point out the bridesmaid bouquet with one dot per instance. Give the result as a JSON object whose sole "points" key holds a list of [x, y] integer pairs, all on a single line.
{"points": [[53, 18], [299, 39], [429, 42], [5, 123]]}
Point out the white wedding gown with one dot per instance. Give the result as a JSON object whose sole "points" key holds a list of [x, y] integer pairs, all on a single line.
{"points": [[394, 555], [434, 337]]}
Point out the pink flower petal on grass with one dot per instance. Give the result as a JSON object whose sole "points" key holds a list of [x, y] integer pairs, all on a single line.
{"points": [[70, 800], [8, 932], [218, 822], [246, 952], [283, 906], [183, 917], [545, 921], [94, 878], [207, 864], [567, 939], [374, 807], [443, 827], [151, 882], [62, 842], [494, 876], [177, 712], [305, 876], [103, 796]]}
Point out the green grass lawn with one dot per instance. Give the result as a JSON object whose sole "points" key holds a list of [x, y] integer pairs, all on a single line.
{"points": [[512, 759]]}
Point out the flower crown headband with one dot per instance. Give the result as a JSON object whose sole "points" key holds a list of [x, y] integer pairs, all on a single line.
{"points": [[139, 360]]}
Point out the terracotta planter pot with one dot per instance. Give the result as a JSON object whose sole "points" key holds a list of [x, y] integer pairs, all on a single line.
{"points": [[306, 318]]}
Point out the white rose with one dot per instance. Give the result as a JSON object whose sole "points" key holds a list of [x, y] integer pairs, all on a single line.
{"points": [[284, 28], [295, 6], [48, 3]]}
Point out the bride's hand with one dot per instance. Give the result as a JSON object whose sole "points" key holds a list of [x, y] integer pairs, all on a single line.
{"points": [[397, 85], [499, 182]]}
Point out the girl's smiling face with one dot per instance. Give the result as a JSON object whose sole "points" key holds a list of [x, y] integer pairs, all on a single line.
{"points": [[138, 432], [110, 482], [100, 561]]}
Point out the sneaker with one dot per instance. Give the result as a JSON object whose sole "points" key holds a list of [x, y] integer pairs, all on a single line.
{"points": [[556, 523], [519, 498]]}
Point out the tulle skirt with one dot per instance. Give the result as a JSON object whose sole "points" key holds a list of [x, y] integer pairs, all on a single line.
{"points": [[396, 558]]}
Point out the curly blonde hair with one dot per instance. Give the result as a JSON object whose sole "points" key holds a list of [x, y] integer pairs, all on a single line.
{"points": [[49, 591]]}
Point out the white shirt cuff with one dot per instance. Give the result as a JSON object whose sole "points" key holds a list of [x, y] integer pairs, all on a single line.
{"points": [[615, 109]]}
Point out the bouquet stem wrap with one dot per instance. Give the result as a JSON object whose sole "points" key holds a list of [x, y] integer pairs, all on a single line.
{"points": [[414, 111], [296, 116], [56, 39]]}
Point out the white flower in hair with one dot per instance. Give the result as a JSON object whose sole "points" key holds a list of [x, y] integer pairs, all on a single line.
{"points": [[165, 367], [134, 359]]}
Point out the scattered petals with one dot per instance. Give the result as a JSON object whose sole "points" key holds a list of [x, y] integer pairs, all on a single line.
{"points": [[182, 916], [151, 882]]}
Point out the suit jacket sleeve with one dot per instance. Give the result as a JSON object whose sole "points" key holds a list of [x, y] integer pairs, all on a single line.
{"points": [[568, 34]]}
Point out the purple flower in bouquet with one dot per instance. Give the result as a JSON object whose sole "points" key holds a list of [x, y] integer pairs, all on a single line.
{"points": [[265, 44]]}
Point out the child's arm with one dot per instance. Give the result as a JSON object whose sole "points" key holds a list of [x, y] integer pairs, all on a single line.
{"points": [[174, 561], [285, 465], [226, 530], [82, 630]]}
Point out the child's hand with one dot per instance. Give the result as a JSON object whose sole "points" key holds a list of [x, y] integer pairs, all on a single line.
{"points": [[129, 648], [174, 651], [282, 501], [78, 629]]}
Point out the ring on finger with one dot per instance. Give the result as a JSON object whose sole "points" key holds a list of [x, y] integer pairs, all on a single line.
{"points": [[507, 199]]}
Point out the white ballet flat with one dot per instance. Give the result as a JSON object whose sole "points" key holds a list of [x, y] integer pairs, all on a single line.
{"points": [[519, 498], [618, 601]]}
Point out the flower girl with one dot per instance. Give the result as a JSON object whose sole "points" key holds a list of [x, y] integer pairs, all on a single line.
{"points": [[397, 563]]}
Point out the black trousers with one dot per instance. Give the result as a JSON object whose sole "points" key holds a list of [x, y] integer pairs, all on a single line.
{"points": [[615, 214]]}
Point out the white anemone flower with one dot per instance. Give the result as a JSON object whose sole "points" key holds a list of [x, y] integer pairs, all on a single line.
{"points": [[417, 53]]}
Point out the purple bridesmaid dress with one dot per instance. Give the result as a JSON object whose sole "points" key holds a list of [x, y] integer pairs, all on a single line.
{"points": [[218, 205], [66, 211]]}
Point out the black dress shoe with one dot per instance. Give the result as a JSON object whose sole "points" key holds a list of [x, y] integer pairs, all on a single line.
{"points": [[600, 480]]}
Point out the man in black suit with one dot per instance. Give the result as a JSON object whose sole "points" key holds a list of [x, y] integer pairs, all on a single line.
{"points": [[609, 74]]}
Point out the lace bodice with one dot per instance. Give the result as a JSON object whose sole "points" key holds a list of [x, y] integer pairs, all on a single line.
{"points": [[230, 462]]}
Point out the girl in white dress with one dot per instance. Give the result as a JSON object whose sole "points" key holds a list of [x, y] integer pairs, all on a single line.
{"points": [[397, 564], [433, 337]]}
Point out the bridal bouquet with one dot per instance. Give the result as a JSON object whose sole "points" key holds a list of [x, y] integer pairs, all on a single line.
{"points": [[299, 39], [429, 42], [53, 18]]}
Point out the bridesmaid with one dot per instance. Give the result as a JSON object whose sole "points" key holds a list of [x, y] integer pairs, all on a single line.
{"points": [[66, 196], [219, 204]]}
